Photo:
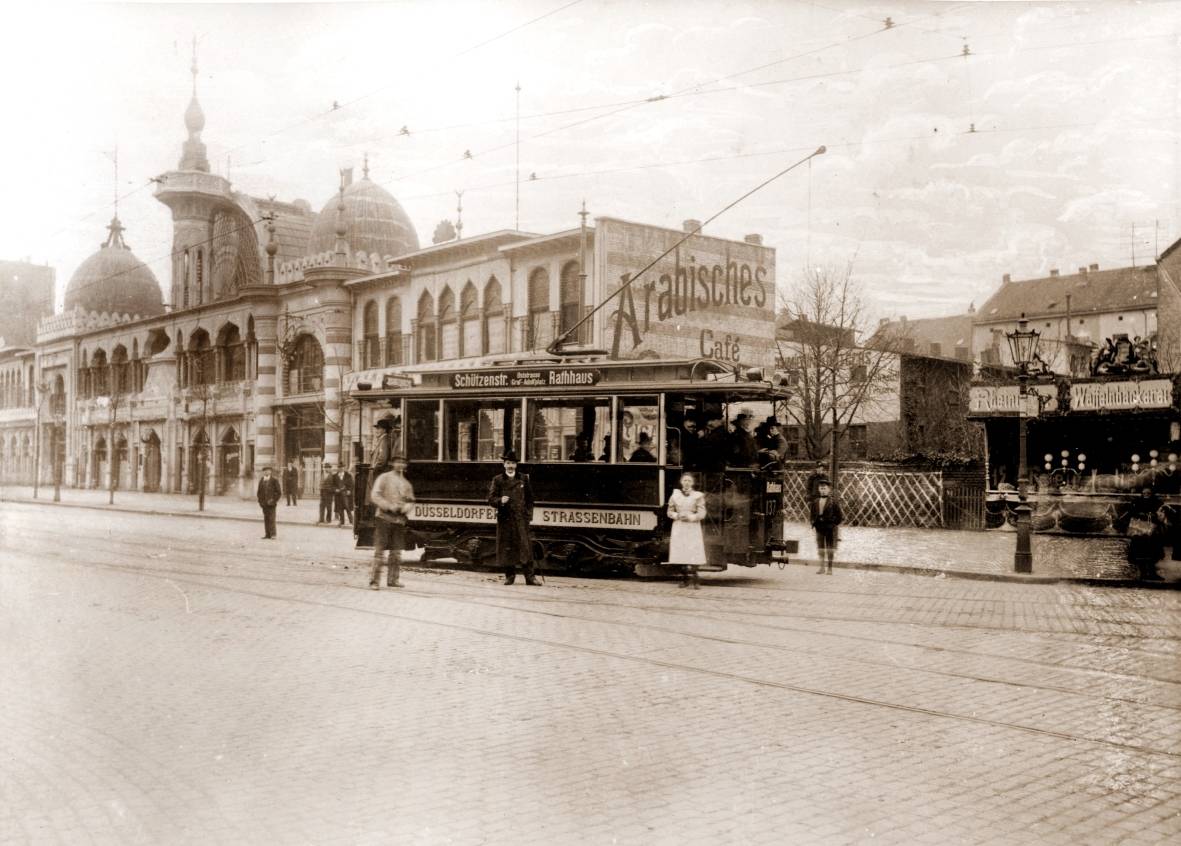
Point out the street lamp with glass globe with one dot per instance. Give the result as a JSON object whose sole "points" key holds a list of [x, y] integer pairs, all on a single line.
{"points": [[1023, 343]]}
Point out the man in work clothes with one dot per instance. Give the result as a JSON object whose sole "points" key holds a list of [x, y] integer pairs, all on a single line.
{"points": [[814, 480], [393, 497], [327, 494], [826, 516], [343, 498], [512, 497], [291, 483], [269, 494]]}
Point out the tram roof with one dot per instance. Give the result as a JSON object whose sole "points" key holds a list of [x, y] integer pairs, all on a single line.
{"points": [[540, 376]]}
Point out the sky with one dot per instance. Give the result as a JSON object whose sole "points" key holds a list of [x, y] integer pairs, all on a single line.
{"points": [[964, 140]]}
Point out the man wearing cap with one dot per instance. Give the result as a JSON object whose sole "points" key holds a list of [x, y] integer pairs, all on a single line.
{"points": [[826, 516], [327, 494], [269, 493], [512, 496], [393, 497]]}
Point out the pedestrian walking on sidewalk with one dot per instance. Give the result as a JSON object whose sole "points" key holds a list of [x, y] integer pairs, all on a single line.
{"points": [[291, 483], [512, 496], [343, 498], [269, 494], [826, 516], [327, 494], [686, 542], [393, 497]]}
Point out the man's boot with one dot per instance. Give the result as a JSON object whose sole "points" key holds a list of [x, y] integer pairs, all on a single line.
{"points": [[395, 571], [375, 576], [684, 577], [530, 579], [510, 576]]}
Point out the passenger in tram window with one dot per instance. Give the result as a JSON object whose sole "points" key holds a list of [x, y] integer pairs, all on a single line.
{"points": [[772, 445], [690, 444], [715, 446], [606, 456], [582, 448], [744, 451], [686, 543], [643, 452], [512, 496]]}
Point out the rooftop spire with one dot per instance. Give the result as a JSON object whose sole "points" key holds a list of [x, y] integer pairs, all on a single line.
{"points": [[115, 238], [365, 167], [193, 152]]}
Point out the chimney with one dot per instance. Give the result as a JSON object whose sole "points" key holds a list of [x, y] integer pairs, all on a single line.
{"points": [[1082, 271], [1053, 271], [882, 321], [1094, 267], [690, 225], [753, 239], [1006, 279]]}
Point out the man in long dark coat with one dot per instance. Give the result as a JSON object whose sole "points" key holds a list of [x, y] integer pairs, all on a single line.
{"points": [[327, 494], [269, 493], [512, 496]]}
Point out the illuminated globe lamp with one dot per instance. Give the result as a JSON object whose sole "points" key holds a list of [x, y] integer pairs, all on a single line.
{"points": [[1135, 462], [1049, 459], [1023, 343]]}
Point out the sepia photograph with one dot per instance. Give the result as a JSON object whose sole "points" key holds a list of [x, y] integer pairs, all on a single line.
{"points": [[555, 347]]}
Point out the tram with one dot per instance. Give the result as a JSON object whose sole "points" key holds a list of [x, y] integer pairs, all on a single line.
{"points": [[604, 444]]}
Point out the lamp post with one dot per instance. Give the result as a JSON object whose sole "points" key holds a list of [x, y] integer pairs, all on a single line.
{"points": [[1023, 345]]}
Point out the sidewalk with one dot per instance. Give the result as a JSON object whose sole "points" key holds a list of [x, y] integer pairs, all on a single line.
{"points": [[942, 553]]}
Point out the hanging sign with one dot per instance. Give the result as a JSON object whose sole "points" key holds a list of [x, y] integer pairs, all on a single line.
{"points": [[1117, 396], [1006, 399]]}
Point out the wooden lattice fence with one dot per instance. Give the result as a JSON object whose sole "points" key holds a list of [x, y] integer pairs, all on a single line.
{"points": [[891, 497]]}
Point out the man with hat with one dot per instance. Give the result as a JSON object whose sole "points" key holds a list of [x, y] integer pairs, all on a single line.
{"points": [[744, 451], [826, 516], [269, 493], [393, 498], [512, 496], [327, 494]]}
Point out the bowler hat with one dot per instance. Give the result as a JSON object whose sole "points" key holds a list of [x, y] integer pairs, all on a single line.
{"points": [[509, 455]]}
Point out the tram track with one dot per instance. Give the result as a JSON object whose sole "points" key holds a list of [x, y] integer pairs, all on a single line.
{"points": [[197, 580], [646, 660], [696, 612]]}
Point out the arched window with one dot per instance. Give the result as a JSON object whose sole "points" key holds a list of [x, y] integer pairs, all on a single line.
{"points": [[470, 336], [57, 400], [571, 301], [370, 344], [393, 332], [233, 353], [120, 374], [426, 328], [201, 361], [99, 375], [539, 331], [306, 372], [448, 328], [493, 318]]}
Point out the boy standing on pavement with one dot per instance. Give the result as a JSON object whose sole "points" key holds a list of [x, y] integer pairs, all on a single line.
{"points": [[826, 517], [393, 497], [269, 493]]}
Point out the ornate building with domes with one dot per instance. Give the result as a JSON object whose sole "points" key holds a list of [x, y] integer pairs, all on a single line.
{"points": [[274, 312]]}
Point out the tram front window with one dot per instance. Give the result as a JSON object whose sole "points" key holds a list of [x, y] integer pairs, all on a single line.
{"points": [[475, 430], [422, 430], [568, 429], [639, 430]]}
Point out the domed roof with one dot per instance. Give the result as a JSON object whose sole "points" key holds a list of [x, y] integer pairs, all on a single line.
{"points": [[374, 222], [113, 280]]}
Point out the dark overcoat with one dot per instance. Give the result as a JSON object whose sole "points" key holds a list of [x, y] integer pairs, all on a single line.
{"points": [[514, 543], [269, 492]]}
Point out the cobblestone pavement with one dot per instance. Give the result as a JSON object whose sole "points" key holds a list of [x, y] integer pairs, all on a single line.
{"points": [[169, 680], [921, 551]]}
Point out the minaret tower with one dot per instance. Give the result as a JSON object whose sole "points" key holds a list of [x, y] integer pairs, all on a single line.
{"points": [[194, 195]]}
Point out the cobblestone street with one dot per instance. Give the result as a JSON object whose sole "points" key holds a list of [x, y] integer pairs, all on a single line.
{"points": [[176, 680]]}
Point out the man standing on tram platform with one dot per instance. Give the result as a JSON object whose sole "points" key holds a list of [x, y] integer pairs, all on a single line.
{"points": [[512, 496]]}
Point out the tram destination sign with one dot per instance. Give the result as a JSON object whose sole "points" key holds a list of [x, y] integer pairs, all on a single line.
{"points": [[1121, 396], [573, 518], [544, 377]]}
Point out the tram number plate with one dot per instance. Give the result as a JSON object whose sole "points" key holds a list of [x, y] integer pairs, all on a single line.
{"points": [[774, 487]]}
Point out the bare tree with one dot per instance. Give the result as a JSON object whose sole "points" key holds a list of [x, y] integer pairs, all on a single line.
{"points": [[834, 377]]}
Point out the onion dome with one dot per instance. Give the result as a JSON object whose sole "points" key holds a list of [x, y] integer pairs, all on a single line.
{"points": [[114, 281], [373, 222]]}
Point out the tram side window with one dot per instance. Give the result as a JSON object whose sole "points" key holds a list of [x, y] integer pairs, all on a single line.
{"points": [[422, 430], [568, 429], [475, 430], [639, 430]]}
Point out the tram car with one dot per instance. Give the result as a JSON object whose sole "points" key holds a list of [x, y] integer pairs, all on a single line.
{"points": [[604, 443]]}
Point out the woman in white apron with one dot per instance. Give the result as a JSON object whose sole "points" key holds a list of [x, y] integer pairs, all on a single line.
{"points": [[686, 544]]}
